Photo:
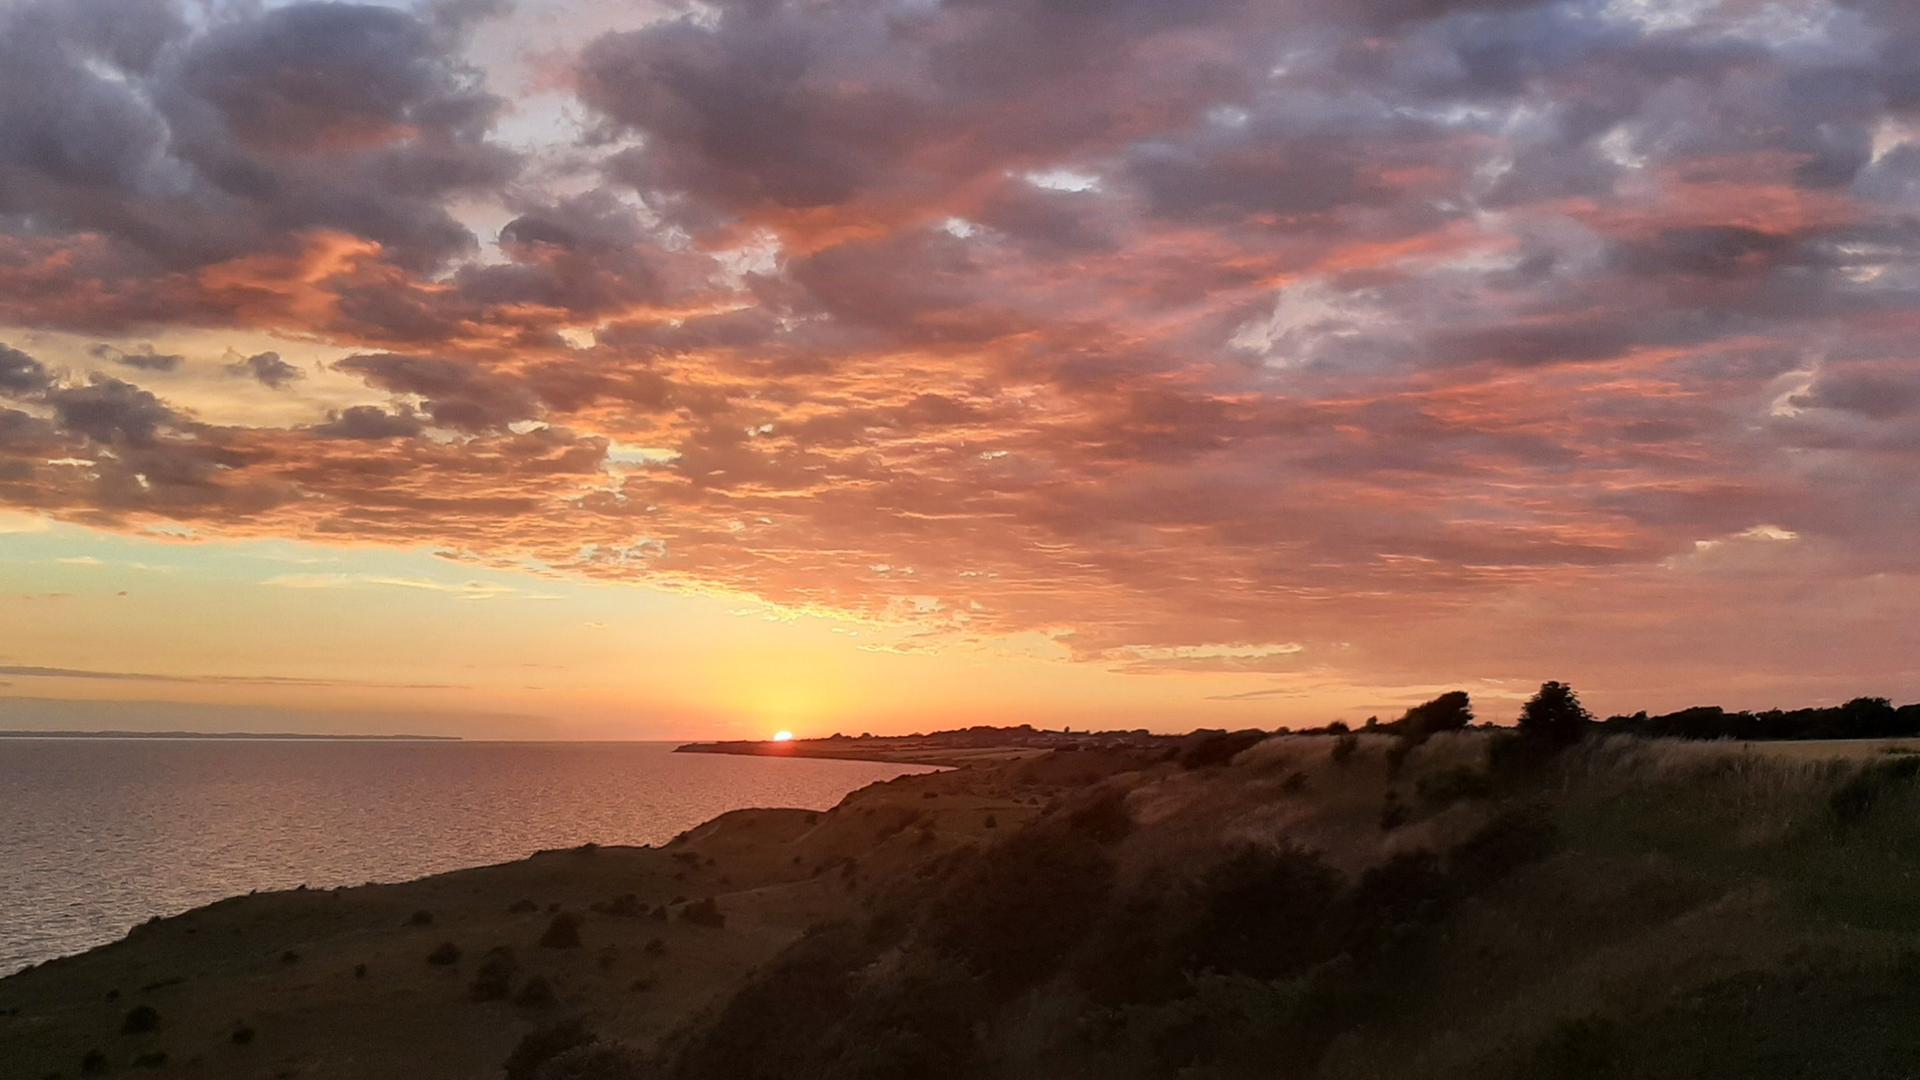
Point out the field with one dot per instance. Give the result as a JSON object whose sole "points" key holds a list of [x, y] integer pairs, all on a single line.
{"points": [[1338, 907]]}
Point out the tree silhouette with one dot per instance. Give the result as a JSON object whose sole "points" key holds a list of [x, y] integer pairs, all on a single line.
{"points": [[1450, 711], [1555, 713]]}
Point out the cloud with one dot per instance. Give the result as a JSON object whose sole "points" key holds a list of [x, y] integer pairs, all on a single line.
{"points": [[1410, 324], [143, 358], [267, 369]]}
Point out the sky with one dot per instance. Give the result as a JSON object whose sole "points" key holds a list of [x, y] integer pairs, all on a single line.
{"points": [[574, 369]]}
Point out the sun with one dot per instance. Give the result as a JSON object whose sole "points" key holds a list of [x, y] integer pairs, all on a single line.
{"points": [[783, 736]]}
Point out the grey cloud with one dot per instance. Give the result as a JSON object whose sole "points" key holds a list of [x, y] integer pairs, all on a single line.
{"points": [[110, 411], [368, 422], [142, 358], [267, 369], [21, 375]]}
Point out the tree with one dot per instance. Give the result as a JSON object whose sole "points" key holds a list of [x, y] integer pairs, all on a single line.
{"points": [[1450, 711], [1555, 713]]}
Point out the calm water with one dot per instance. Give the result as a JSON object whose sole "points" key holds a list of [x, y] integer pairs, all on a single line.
{"points": [[96, 835]]}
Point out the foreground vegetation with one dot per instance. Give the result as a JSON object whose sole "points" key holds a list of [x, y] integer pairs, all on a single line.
{"points": [[1440, 902]]}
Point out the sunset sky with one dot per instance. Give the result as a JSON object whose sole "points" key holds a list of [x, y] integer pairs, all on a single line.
{"points": [[571, 368]]}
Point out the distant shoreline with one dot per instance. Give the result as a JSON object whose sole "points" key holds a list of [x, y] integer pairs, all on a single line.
{"points": [[276, 736]]}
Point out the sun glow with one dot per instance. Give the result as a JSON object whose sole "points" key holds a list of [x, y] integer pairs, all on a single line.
{"points": [[783, 736]]}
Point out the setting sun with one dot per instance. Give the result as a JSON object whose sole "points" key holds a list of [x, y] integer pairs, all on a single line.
{"points": [[783, 736]]}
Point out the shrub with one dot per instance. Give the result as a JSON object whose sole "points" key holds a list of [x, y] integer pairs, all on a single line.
{"points": [[992, 822], [494, 978], [445, 953], [1208, 749], [537, 993], [140, 1020], [93, 1062], [597, 1061], [562, 933], [1294, 783], [152, 1059], [1453, 785], [542, 1045], [1516, 836], [655, 947], [1102, 817], [1555, 714], [242, 1035], [359, 971], [1343, 747], [703, 913], [1013, 912], [1259, 910], [1853, 800], [289, 957], [522, 907], [1393, 814], [420, 918], [1451, 711]]}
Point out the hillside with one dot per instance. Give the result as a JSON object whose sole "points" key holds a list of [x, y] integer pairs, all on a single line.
{"points": [[1340, 907]]}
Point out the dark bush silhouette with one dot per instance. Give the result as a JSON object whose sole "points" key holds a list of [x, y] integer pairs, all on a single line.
{"points": [[1208, 749], [420, 918], [1451, 711], [655, 947], [152, 1059], [1102, 816], [1861, 718], [562, 933], [140, 1020], [445, 953], [1012, 913], [703, 913], [1259, 910], [537, 993], [1853, 800], [494, 977], [242, 1035], [1344, 747], [522, 907], [992, 822], [93, 1062], [542, 1045], [1555, 715], [1393, 813], [289, 957], [1452, 785], [1518, 835], [359, 971]]}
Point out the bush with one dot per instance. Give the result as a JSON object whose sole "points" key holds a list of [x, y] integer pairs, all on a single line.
{"points": [[1102, 816], [1454, 785], [289, 957], [1393, 813], [445, 953], [1555, 714], [153, 1059], [140, 1020], [562, 933], [703, 913], [420, 918], [655, 947], [359, 971], [542, 1045], [1259, 911], [597, 1061], [1344, 747], [494, 978], [536, 994], [1014, 911], [1451, 711], [1516, 836], [1209, 749], [93, 1062], [242, 1035], [522, 907], [1852, 801]]}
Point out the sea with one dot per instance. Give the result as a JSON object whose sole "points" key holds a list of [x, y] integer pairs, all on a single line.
{"points": [[97, 835]]}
